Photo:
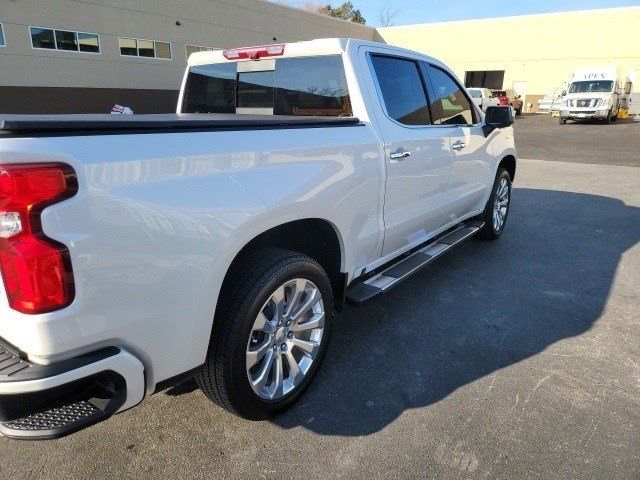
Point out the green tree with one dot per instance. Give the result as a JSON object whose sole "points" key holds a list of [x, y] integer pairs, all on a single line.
{"points": [[346, 11]]}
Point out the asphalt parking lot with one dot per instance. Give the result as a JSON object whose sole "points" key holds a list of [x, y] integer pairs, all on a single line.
{"points": [[515, 359], [541, 137]]}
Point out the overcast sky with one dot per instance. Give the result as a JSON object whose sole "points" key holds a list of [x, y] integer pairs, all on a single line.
{"points": [[421, 11]]}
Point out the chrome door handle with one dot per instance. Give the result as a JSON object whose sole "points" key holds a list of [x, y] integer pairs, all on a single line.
{"points": [[399, 155], [459, 145]]}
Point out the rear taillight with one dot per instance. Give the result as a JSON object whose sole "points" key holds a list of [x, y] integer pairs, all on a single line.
{"points": [[36, 270], [254, 53]]}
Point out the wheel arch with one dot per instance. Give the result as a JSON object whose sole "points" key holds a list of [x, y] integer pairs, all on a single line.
{"points": [[509, 163], [316, 237]]}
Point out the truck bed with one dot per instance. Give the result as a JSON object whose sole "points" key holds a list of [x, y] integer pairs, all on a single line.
{"points": [[105, 124]]}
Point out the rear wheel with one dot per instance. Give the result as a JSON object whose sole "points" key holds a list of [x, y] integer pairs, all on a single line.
{"points": [[562, 121], [270, 334], [497, 208]]}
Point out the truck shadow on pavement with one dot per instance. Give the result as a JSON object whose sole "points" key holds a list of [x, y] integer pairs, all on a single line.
{"points": [[484, 307]]}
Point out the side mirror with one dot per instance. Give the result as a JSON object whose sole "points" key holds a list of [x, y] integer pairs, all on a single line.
{"points": [[498, 117], [627, 88]]}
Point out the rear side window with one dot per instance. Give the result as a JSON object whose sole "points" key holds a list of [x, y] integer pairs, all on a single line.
{"points": [[402, 90], [449, 104], [310, 86]]}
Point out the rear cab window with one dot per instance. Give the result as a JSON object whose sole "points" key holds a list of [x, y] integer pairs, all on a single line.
{"points": [[299, 86]]}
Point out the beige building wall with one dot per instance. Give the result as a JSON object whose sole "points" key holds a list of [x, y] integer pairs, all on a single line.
{"points": [[107, 77], [537, 52]]}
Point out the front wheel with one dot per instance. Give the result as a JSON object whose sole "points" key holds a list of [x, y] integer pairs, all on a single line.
{"points": [[497, 208], [270, 334]]}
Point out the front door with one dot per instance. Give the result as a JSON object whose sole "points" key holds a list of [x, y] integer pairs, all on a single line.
{"points": [[417, 154], [472, 158]]}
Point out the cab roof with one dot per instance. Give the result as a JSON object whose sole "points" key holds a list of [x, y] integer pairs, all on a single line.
{"points": [[310, 48]]}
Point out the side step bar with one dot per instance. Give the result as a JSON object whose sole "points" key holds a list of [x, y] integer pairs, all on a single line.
{"points": [[362, 292]]}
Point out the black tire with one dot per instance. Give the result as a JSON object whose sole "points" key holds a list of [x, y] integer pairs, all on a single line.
{"points": [[519, 112], [488, 232], [223, 378], [607, 120], [562, 121]]}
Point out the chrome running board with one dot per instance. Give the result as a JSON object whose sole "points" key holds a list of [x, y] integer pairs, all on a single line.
{"points": [[383, 281]]}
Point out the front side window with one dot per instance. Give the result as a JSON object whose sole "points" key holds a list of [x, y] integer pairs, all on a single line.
{"points": [[1, 36], [591, 86], [310, 86], [449, 105], [402, 90]]}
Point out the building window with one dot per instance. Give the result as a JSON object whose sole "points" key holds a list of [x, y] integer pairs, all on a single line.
{"points": [[88, 42], [50, 39], [42, 38], [198, 48], [484, 79], [163, 50], [1, 36], [66, 40], [128, 47], [137, 47]]}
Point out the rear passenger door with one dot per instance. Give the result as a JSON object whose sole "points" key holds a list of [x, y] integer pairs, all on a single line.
{"points": [[455, 116], [417, 155]]}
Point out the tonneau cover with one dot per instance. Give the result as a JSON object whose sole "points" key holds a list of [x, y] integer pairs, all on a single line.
{"points": [[80, 123]]}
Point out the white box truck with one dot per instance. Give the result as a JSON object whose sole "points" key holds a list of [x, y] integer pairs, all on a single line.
{"points": [[593, 94]]}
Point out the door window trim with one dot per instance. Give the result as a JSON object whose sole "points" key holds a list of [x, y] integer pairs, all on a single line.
{"points": [[370, 54]]}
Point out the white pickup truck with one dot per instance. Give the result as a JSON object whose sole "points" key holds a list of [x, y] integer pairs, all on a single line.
{"points": [[139, 251]]}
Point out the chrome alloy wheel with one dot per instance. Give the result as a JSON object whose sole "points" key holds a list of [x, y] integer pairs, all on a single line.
{"points": [[501, 205], [285, 339]]}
